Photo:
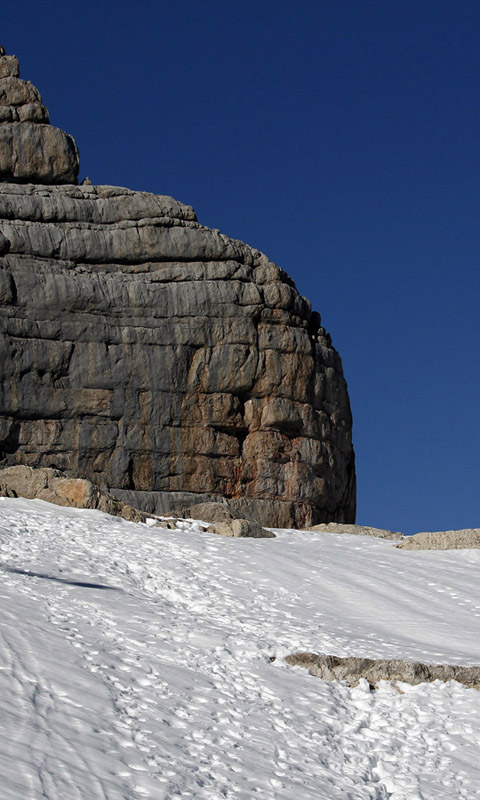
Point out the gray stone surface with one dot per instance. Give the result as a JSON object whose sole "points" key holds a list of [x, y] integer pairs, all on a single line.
{"points": [[31, 150], [359, 530], [156, 357], [352, 670], [163, 502], [467, 538]]}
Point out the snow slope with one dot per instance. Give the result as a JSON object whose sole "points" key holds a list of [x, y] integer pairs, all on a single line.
{"points": [[135, 663]]}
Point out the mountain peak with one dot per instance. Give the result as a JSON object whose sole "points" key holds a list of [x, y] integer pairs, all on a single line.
{"points": [[31, 150]]}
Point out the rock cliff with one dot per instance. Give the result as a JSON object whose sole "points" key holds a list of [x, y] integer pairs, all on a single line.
{"points": [[152, 355]]}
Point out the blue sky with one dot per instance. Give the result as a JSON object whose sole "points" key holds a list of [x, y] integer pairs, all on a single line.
{"points": [[342, 138]]}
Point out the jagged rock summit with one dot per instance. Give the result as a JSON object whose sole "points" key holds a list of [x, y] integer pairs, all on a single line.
{"points": [[31, 150], [154, 356]]}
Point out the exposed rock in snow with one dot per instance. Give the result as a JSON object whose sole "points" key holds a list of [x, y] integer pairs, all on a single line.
{"points": [[52, 486], [361, 530], [225, 520], [465, 538], [240, 528], [353, 670]]}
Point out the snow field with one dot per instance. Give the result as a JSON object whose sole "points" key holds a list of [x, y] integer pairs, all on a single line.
{"points": [[135, 663]]}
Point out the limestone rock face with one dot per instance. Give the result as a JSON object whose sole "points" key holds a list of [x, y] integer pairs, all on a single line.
{"points": [[161, 359], [31, 150]]}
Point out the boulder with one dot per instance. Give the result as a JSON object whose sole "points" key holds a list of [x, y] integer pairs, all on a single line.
{"points": [[225, 521], [240, 527], [52, 486], [26, 154]]}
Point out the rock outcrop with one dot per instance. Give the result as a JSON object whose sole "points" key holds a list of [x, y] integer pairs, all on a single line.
{"points": [[467, 538], [224, 521], [359, 530], [31, 150], [352, 670], [53, 487], [154, 356]]}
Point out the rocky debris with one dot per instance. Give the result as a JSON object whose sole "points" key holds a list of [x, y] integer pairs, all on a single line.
{"points": [[360, 530], [225, 521], [52, 486], [240, 528], [31, 150], [467, 538], [352, 670], [161, 359]]}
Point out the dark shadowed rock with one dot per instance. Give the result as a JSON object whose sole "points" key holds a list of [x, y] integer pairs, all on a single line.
{"points": [[154, 356]]}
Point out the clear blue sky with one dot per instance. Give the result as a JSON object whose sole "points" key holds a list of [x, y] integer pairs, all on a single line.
{"points": [[342, 138]]}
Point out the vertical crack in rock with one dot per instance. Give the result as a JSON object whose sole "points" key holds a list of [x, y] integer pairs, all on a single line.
{"points": [[197, 370]]}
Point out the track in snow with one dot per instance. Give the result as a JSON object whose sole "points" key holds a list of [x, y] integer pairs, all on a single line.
{"points": [[154, 679]]}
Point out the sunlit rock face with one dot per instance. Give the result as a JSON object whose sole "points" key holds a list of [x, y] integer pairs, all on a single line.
{"points": [[152, 355]]}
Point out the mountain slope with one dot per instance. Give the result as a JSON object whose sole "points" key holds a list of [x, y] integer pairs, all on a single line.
{"points": [[135, 663]]}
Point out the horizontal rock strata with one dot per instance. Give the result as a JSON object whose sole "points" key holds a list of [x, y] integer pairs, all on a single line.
{"points": [[156, 357], [352, 670], [149, 353], [31, 150]]}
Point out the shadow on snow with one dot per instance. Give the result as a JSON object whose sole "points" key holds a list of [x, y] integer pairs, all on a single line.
{"points": [[85, 584]]}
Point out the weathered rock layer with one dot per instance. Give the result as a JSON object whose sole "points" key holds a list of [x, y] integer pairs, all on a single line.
{"points": [[160, 358], [31, 150]]}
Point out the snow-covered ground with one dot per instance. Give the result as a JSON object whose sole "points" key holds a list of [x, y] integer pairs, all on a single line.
{"points": [[135, 663]]}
